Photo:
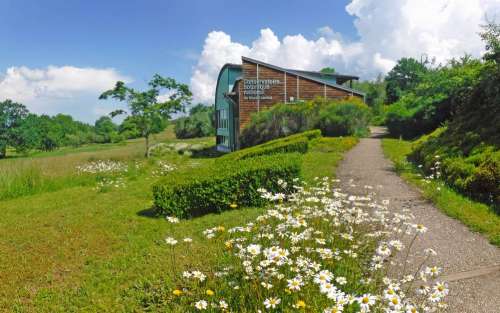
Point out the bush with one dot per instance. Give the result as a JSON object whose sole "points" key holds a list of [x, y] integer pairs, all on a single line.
{"points": [[435, 99], [214, 188], [200, 123], [295, 143], [474, 172], [333, 118]]}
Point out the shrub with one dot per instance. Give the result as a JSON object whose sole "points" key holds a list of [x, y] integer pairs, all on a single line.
{"points": [[333, 118], [214, 188], [294, 143], [200, 123], [435, 99]]}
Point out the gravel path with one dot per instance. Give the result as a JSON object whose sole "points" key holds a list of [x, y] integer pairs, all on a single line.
{"points": [[459, 250]]}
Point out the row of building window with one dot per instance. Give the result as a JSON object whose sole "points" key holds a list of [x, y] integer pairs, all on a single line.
{"points": [[222, 118]]}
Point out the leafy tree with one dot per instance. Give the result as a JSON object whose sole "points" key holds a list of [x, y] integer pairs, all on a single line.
{"points": [[199, 123], [404, 76], [129, 129], [491, 36], [28, 135], [328, 70], [150, 112], [105, 129], [11, 116]]}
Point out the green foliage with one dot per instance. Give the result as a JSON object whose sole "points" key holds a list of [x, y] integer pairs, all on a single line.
{"points": [[199, 123], [407, 73], [328, 70], [11, 116], [476, 215], [375, 97], [435, 99], [333, 118], [294, 143], [214, 188], [149, 112], [491, 36]]}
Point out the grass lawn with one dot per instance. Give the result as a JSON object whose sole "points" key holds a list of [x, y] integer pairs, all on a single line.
{"points": [[73, 248], [477, 216]]}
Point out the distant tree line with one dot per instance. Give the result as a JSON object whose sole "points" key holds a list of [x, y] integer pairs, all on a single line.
{"points": [[25, 131]]}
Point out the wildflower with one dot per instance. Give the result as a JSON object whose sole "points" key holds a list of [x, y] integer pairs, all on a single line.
{"points": [[441, 288], [432, 271], [187, 239], [300, 304], [209, 292], [420, 228], [223, 304], [177, 292], [171, 241], [201, 305], [341, 280], [254, 249], [365, 301], [172, 219], [271, 303], [233, 205], [295, 283]]}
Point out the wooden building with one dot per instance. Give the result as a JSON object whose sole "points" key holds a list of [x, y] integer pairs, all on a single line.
{"points": [[253, 86]]}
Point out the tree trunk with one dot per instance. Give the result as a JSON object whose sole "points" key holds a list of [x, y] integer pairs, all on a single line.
{"points": [[147, 145], [3, 150]]}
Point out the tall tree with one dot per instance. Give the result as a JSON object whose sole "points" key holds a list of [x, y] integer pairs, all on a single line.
{"points": [[150, 112], [407, 73], [11, 117]]}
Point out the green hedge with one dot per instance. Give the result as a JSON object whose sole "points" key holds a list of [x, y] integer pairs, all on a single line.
{"points": [[214, 188], [294, 143], [345, 117]]}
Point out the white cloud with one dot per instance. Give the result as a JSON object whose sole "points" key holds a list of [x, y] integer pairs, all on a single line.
{"points": [[388, 30], [57, 89]]}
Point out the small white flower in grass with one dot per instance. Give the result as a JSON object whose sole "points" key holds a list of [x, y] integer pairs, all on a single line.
{"points": [[223, 304], [199, 275], [172, 219], [201, 305], [271, 303], [366, 301], [254, 249], [341, 280], [171, 241], [295, 283]]}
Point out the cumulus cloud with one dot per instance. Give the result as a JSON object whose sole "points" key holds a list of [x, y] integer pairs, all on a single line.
{"points": [[388, 30], [57, 89]]}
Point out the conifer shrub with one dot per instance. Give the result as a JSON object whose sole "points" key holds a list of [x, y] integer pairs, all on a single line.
{"points": [[225, 184]]}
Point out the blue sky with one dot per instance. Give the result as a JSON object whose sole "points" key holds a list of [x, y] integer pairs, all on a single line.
{"points": [[58, 55], [140, 38]]}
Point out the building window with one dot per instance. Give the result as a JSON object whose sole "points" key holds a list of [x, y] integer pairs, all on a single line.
{"points": [[223, 140], [222, 118]]}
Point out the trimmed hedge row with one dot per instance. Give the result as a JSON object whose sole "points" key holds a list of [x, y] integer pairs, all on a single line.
{"points": [[294, 143], [214, 188]]}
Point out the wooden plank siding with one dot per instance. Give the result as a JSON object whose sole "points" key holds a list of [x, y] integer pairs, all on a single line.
{"points": [[297, 87]]}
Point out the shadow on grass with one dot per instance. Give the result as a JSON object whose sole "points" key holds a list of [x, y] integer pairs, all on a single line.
{"points": [[208, 152], [149, 213]]}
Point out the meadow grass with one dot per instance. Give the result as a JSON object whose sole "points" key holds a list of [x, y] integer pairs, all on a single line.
{"points": [[477, 216], [75, 249], [54, 170]]}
